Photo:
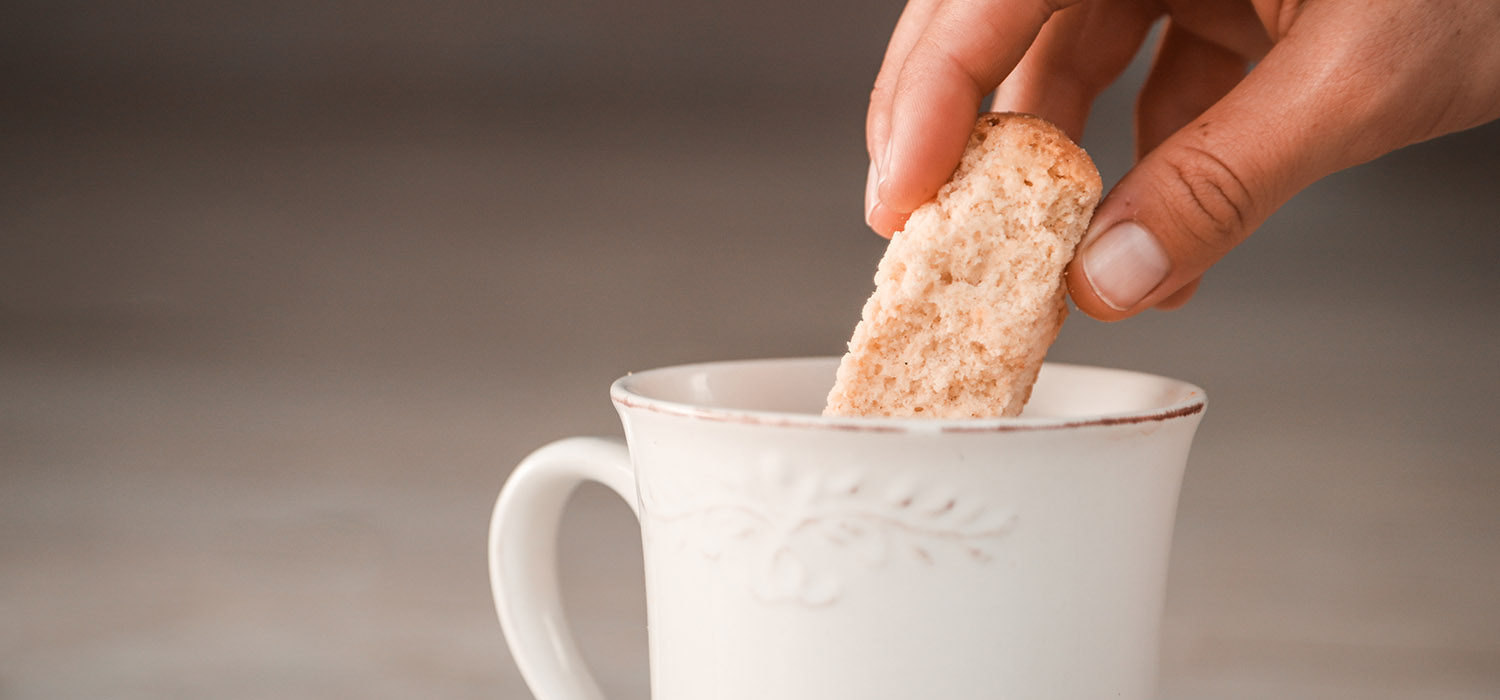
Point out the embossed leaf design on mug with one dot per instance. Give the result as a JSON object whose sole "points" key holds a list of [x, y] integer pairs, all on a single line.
{"points": [[795, 556], [788, 533]]}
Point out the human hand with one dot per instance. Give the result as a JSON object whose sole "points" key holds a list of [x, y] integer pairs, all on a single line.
{"points": [[1336, 83]]}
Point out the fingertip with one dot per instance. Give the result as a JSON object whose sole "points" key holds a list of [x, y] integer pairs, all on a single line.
{"points": [[1118, 269], [889, 194], [962, 54], [1121, 270], [920, 158], [1085, 299], [884, 220], [932, 118], [1123, 265]]}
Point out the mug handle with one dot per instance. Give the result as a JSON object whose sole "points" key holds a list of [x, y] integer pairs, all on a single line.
{"points": [[523, 559]]}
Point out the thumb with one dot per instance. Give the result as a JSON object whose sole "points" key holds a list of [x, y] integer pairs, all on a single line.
{"points": [[1295, 118], [1181, 209]]}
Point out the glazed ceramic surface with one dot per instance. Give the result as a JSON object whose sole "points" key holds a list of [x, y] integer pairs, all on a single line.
{"points": [[795, 556]]}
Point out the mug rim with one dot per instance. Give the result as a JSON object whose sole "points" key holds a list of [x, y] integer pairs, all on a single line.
{"points": [[622, 394]]}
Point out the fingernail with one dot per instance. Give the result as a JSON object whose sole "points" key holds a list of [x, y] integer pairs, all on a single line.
{"points": [[1124, 264], [871, 181]]}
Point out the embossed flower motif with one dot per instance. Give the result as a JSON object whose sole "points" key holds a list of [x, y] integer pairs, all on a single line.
{"points": [[795, 532]]}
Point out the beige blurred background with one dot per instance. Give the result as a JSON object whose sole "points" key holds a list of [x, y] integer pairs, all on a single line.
{"points": [[287, 288]]}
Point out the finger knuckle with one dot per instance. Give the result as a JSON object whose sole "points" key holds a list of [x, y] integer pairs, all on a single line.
{"points": [[1213, 201], [931, 60]]}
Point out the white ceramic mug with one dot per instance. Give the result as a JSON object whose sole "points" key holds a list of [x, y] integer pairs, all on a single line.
{"points": [[793, 556]]}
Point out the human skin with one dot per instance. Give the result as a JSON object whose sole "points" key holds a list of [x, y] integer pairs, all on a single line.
{"points": [[1335, 83]]}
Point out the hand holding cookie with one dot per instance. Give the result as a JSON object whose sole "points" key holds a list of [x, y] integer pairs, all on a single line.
{"points": [[1335, 83]]}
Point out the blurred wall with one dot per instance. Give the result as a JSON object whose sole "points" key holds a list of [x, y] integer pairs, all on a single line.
{"points": [[646, 49]]}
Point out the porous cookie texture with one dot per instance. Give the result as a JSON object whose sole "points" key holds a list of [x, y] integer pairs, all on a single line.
{"points": [[971, 294]]}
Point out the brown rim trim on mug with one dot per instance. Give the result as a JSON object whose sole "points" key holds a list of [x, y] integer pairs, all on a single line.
{"points": [[1192, 404], [1128, 419]]}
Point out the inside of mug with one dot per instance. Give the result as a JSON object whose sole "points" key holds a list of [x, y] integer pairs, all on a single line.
{"points": [[801, 386]]}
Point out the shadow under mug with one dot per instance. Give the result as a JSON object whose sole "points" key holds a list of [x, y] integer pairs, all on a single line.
{"points": [[793, 556]]}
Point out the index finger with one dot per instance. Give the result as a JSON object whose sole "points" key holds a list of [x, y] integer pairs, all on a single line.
{"points": [[967, 48]]}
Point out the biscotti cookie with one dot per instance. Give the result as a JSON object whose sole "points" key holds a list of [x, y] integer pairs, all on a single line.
{"points": [[970, 295]]}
